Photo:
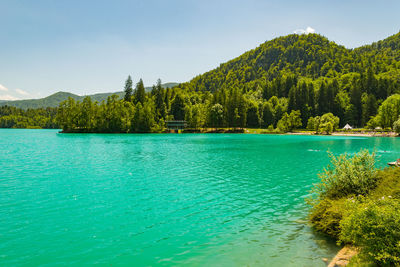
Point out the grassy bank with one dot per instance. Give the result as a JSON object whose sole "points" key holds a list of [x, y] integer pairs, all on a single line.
{"points": [[359, 205]]}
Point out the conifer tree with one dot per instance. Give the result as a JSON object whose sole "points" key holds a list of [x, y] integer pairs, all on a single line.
{"points": [[140, 93], [128, 89]]}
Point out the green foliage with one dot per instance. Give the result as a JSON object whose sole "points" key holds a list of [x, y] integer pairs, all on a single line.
{"points": [[146, 113], [289, 122], [358, 204], [389, 111], [143, 120], [396, 126], [374, 226], [315, 76], [326, 214], [327, 123], [347, 175], [305, 73], [128, 89], [195, 115], [11, 117], [389, 184], [311, 124], [253, 116], [178, 107], [140, 93], [216, 116]]}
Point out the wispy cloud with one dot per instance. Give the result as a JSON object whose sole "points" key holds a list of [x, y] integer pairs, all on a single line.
{"points": [[306, 31], [3, 88], [8, 97], [22, 92]]}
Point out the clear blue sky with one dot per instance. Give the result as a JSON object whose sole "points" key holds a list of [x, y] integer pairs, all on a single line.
{"points": [[90, 46]]}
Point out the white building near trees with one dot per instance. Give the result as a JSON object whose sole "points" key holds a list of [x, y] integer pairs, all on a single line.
{"points": [[347, 127]]}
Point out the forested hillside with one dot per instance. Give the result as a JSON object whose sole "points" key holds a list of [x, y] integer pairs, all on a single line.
{"points": [[12, 117], [310, 56], [290, 82]]}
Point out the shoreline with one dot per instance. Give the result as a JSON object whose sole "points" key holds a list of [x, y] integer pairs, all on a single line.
{"points": [[391, 134], [252, 131], [238, 131], [343, 257], [355, 134]]}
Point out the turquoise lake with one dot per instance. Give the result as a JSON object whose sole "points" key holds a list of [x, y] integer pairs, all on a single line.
{"points": [[164, 199]]}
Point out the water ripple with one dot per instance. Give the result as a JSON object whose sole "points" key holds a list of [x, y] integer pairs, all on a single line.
{"points": [[220, 200]]}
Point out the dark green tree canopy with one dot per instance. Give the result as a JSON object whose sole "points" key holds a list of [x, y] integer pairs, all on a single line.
{"points": [[140, 93], [128, 89]]}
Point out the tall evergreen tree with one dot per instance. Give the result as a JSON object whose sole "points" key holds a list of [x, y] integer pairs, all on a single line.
{"points": [[140, 93], [323, 99], [161, 108], [178, 107], [355, 100], [128, 89]]}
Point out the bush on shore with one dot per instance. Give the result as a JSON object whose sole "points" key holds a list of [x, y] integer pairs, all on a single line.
{"points": [[358, 204], [347, 175], [374, 226]]}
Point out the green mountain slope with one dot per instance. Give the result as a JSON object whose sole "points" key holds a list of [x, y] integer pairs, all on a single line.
{"points": [[288, 82], [312, 56], [55, 99]]}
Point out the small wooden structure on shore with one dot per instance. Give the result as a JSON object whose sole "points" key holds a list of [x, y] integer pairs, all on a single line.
{"points": [[176, 126]]}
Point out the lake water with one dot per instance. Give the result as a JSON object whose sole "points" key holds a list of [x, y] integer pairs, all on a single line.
{"points": [[164, 199]]}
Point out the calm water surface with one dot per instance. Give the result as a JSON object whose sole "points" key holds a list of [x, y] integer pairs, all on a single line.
{"points": [[157, 199]]}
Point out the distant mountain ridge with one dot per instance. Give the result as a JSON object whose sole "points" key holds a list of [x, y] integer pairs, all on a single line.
{"points": [[55, 99]]}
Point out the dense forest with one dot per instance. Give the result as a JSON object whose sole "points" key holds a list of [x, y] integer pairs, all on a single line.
{"points": [[12, 117], [295, 81]]}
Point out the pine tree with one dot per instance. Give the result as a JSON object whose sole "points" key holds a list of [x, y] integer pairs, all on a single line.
{"points": [[158, 92], [128, 89], [140, 93]]}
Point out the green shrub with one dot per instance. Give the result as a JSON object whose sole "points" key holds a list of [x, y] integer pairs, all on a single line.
{"points": [[311, 124], [360, 205], [342, 180], [290, 122], [374, 226], [347, 175], [328, 123], [396, 126], [326, 215]]}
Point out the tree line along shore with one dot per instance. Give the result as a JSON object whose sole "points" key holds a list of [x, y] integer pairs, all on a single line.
{"points": [[288, 83], [143, 112]]}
